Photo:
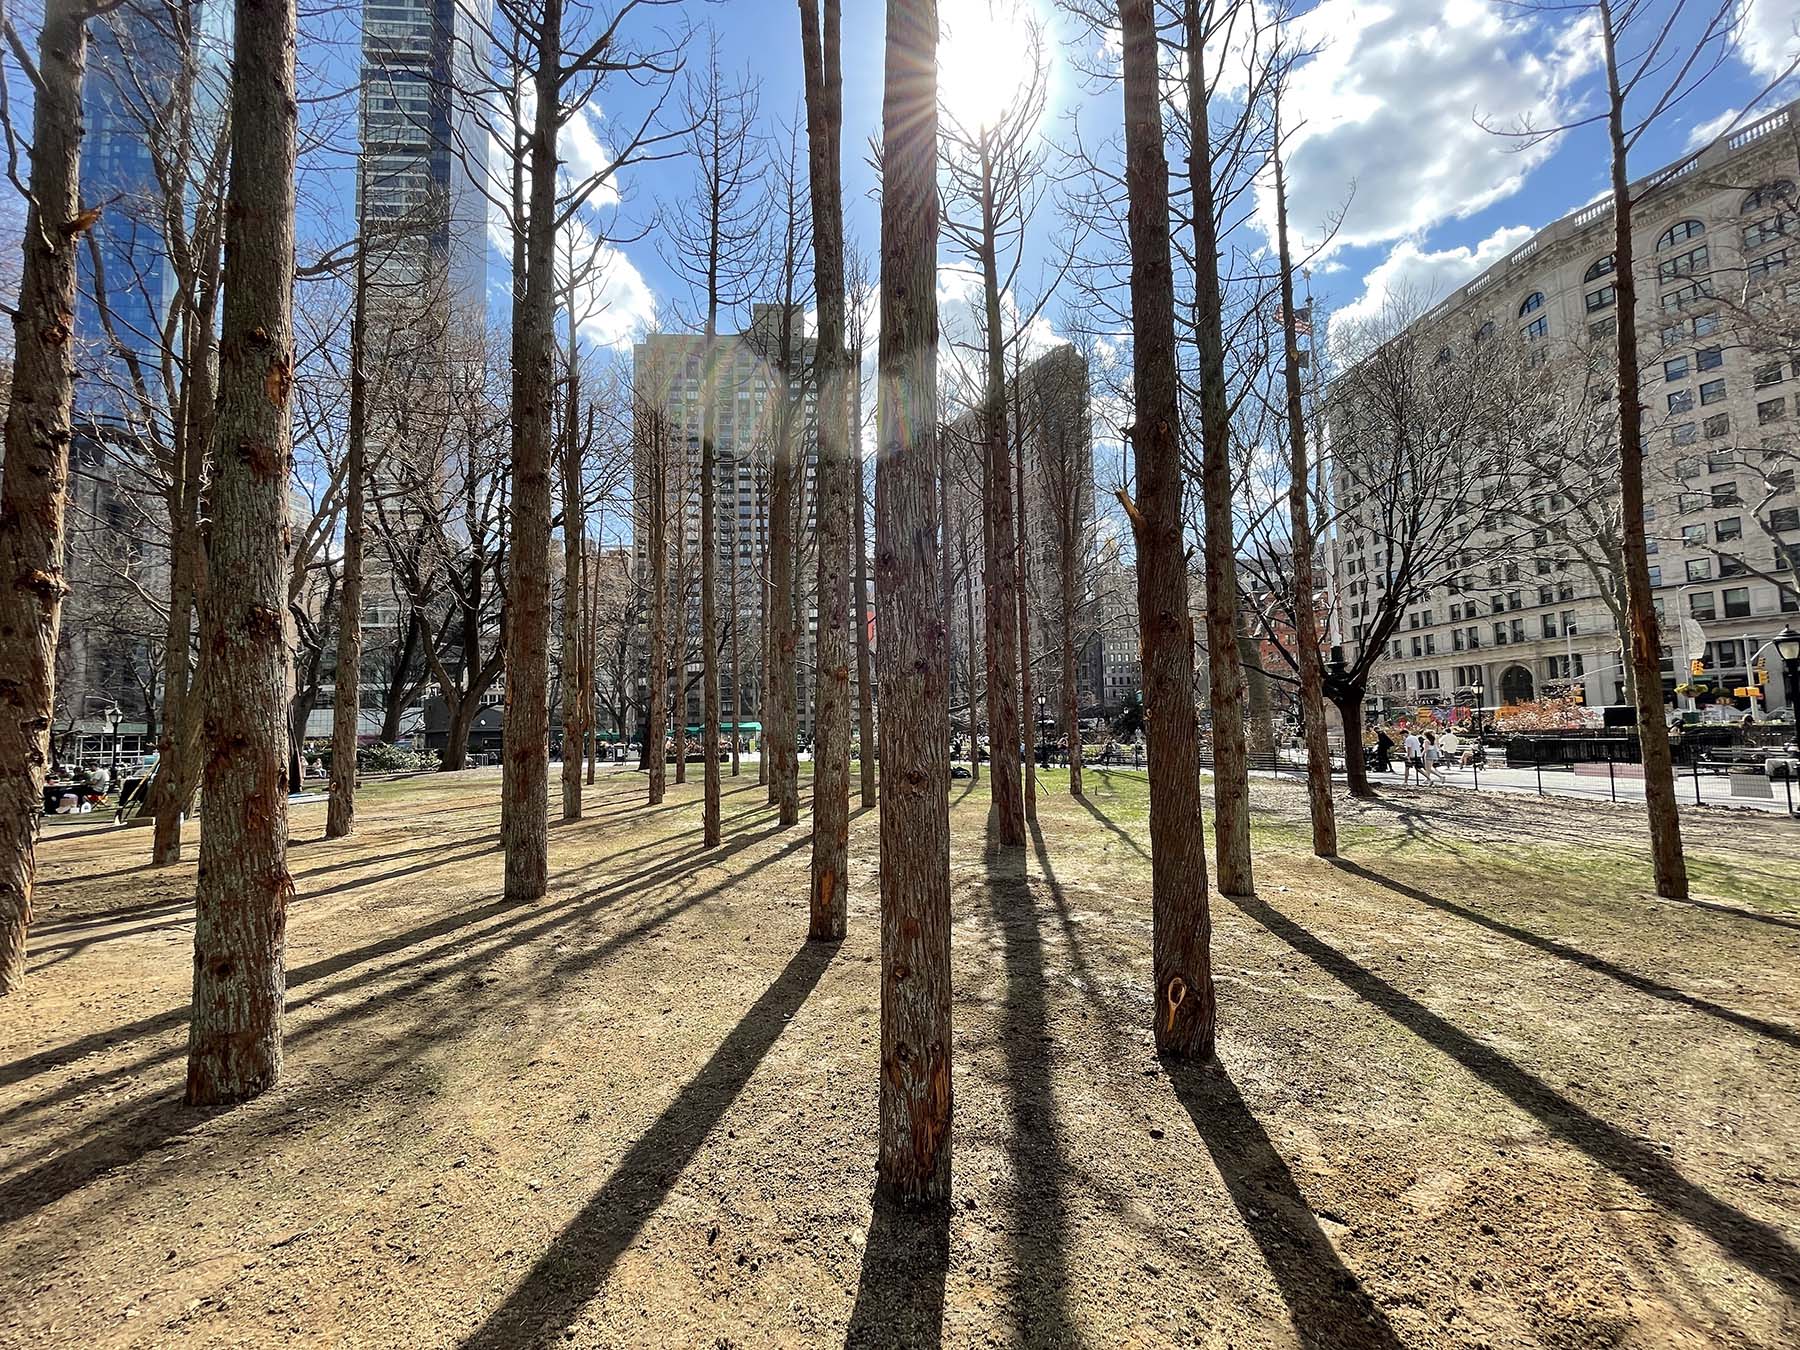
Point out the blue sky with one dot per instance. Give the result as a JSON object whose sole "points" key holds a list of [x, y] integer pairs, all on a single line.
{"points": [[1390, 138]]}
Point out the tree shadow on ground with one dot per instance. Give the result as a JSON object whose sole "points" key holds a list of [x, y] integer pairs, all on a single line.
{"points": [[581, 1257], [122, 1136], [1327, 1303], [1756, 1245], [900, 1293], [1599, 965], [1113, 826], [1039, 1220]]}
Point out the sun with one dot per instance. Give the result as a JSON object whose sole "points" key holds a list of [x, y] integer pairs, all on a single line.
{"points": [[984, 58]]}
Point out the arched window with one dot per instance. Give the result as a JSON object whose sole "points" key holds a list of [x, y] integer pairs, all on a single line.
{"points": [[1486, 331], [1601, 267], [1681, 229], [1532, 303], [1778, 193]]}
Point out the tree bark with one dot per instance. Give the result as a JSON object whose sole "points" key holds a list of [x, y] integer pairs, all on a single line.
{"points": [[1349, 702], [710, 829], [234, 1033], [779, 699], [1181, 924], [915, 1095], [831, 649], [576, 707], [865, 689], [340, 811], [1261, 726], [656, 678], [1000, 593], [34, 494], [524, 801], [1307, 657], [1027, 709], [1069, 525], [1231, 780], [1666, 854]]}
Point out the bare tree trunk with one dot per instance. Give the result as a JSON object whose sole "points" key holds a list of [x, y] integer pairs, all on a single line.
{"points": [[763, 647], [656, 678], [1069, 525], [710, 828], [915, 1105], [346, 710], [1646, 643], [524, 801], [1307, 657], [34, 496], [1231, 782], [575, 707], [677, 674], [1256, 690], [178, 750], [831, 649], [1001, 592], [737, 673], [1027, 709], [234, 1033], [969, 615], [779, 698], [1181, 924], [1349, 701], [865, 689]]}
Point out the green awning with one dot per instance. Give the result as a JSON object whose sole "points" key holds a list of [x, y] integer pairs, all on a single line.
{"points": [[727, 728]]}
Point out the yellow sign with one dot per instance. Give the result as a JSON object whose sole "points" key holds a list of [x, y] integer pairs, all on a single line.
{"points": [[1696, 667]]}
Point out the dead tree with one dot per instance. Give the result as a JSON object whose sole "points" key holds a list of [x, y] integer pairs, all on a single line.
{"points": [[1181, 925], [234, 1033], [34, 493], [835, 487], [915, 1096], [340, 812]]}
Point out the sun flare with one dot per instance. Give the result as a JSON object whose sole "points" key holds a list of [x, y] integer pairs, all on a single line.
{"points": [[984, 58]]}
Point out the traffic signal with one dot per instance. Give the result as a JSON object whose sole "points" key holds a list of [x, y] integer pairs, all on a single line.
{"points": [[1696, 667], [1761, 673]]}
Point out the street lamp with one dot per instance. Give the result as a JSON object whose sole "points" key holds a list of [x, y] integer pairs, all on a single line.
{"points": [[1475, 713], [1042, 751], [1787, 644], [114, 716]]}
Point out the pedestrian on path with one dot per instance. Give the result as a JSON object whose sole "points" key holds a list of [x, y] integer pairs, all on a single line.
{"points": [[1415, 759]]}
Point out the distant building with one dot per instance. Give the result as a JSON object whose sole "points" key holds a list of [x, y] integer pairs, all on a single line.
{"points": [[1047, 410], [1717, 235], [676, 373]]}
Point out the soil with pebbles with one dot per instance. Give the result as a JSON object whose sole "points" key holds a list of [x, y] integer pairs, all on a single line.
{"points": [[1476, 1087]]}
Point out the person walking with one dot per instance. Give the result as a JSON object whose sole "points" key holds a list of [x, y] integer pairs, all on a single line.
{"points": [[1434, 760], [1414, 751]]}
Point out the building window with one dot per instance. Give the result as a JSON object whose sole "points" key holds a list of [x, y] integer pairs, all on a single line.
{"points": [[1718, 424], [1766, 231], [1709, 358], [1693, 536], [1500, 634], [1699, 569], [1721, 461], [1777, 193], [1531, 304], [1768, 375], [1769, 262], [1725, 494], [1656, 574], [1600, 267], [1675, 368], [1688, 264], [1680, 230], [1737, 602], [1603, 298], [1538, 327], [1682, 400], [1601, 329], [1784, 518], [1770, 410], [1712, 391], [1683, 296], [1700, 605], [1549, 625]]}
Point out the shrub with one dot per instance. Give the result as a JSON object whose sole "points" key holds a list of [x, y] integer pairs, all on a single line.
{"points": [[385, 758]]}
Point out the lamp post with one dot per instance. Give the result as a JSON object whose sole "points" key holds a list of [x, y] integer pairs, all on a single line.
{"points": [[1478, 691], [1787, 645], [114, 716], [1043, 753]]}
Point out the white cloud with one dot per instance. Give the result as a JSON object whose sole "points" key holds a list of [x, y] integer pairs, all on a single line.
{"points": [[1390, 135], [1769, 35], [1705, 133], [1425, 277]]}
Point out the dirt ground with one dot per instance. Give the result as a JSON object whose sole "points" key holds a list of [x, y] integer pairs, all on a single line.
{"points": [[1477, 1087]]}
